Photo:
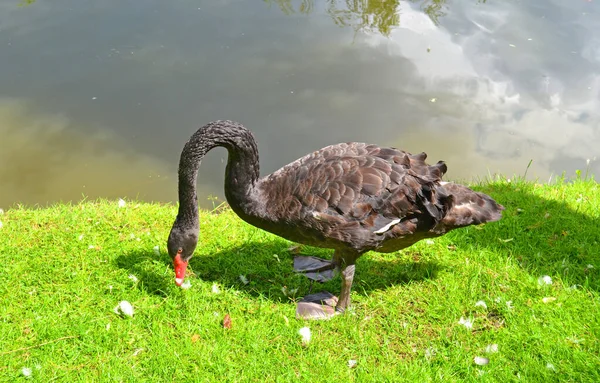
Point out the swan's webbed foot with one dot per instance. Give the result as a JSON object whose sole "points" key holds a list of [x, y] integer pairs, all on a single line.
{"points": [[325, 305], [317, 306], [317, 269]]}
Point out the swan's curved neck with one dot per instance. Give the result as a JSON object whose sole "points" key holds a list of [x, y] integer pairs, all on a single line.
{"points": [[242, 171]]}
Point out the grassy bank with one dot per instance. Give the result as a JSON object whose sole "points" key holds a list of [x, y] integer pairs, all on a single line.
{"points": [[64, 269]]}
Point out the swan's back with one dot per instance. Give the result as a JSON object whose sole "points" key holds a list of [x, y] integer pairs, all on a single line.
{"points": [[364, 197]]}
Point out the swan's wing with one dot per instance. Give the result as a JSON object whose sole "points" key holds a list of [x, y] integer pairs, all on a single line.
{"points": [[356, 184]]}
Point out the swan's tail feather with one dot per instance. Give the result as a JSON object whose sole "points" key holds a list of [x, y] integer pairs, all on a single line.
{"points": [[469, 207]]}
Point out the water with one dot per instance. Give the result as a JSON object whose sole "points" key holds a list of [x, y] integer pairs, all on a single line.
{"points": [[98, 98]]}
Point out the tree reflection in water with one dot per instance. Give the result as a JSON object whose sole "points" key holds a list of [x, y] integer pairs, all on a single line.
{"points": [[380, 16]]}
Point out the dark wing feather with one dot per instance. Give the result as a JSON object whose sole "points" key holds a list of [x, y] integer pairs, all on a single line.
{"points": [[350, 191]]}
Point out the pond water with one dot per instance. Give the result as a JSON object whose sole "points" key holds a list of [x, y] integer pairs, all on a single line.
{"points": [[97, 98]]}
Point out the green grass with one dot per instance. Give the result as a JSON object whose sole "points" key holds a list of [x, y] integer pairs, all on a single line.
{"points": [[63, 269]]}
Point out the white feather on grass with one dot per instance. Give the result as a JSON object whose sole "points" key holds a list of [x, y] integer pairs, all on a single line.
{"points": [[305, 334], [124, 308]]}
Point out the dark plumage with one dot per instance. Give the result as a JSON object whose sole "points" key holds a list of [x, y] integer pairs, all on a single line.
{"points": [[350, 197]]}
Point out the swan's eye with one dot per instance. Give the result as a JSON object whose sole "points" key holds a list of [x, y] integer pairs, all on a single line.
{"points": [[179, 251]]}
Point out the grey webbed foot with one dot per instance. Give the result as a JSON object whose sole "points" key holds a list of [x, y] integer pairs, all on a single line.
{"points": [[314, 268], [317, 306]]}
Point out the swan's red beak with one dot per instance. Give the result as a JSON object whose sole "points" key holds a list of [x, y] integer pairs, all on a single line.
{"points": [[180, 266]]}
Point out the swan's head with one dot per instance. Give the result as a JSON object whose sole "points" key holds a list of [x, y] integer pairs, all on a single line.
{"points": [[181, 244]]}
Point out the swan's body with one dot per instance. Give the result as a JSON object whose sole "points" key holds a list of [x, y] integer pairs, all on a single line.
{"points": [[351, 197]]}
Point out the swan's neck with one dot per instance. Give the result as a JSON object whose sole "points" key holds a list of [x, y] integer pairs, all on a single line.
{"points": [[241, 175]]}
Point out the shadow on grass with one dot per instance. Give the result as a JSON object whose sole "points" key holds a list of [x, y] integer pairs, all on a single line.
{"points": [[145, 265], [545, 236], [267, 273]]}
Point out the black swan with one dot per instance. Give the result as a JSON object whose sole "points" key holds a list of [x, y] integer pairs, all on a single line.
{"points": [[351, 197]]}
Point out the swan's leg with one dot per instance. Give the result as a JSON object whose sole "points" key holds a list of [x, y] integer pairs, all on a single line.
{"points": [[347, 279]]}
